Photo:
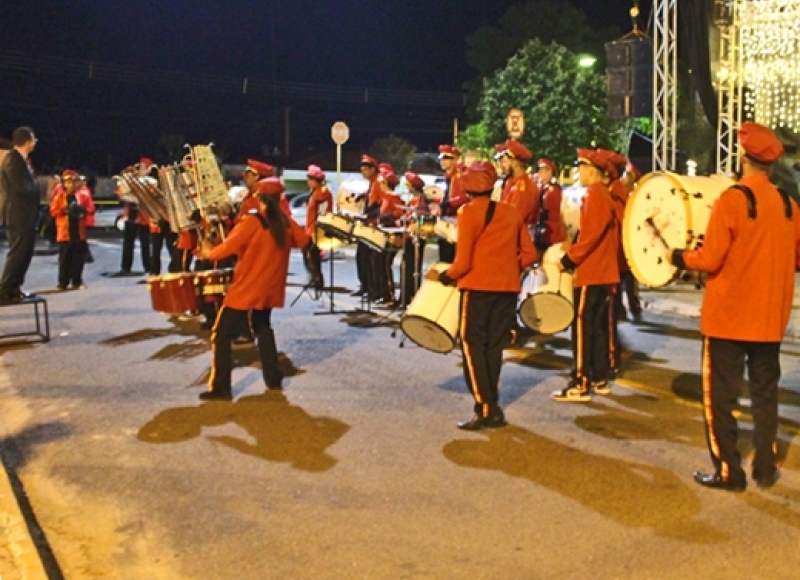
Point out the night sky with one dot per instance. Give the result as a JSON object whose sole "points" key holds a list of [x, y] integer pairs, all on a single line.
{"points": [[399, 45]]}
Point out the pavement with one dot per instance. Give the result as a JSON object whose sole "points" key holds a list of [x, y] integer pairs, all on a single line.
{"points": [[20, 558]]}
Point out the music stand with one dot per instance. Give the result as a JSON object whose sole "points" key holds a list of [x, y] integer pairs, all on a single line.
{"points": [[332, 287]]}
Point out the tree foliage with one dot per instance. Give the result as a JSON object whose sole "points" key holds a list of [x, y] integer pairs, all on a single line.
{"points": [[564, 105], [394, 150]]}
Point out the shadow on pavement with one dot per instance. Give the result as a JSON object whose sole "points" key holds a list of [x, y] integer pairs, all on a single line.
{"points": [[283, 433]]}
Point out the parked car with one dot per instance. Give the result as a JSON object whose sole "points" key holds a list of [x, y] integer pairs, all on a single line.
{"points": [[299, 206]]}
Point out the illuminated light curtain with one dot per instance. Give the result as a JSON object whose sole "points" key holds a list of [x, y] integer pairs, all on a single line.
{"points": [[770, 32]]}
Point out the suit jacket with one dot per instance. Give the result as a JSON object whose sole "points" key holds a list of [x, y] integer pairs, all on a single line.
{"points": [[20, 195]]}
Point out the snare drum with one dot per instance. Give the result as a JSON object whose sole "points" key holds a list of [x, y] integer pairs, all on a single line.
{"points": [[173, 293], [371, 236], [679, 207], [336, 226], [212, 285], [446, 229], [546, 299], [432, 318]]}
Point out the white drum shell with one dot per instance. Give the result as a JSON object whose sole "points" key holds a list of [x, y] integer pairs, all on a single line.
{"points": [[431, 320], [680, 208], [546, 299], [336, 225], [371, 236]]}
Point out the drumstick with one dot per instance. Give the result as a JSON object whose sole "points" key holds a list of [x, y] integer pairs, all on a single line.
{"points": [[649, 222]]}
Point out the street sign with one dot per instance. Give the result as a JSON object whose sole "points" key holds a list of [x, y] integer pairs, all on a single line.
{"points": [[340, 133], [515, 123]]}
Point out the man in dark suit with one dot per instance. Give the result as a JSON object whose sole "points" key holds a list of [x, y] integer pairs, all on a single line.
{"points": [[19, 211]]}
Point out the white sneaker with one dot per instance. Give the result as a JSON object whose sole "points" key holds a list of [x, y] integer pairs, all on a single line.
{"points": [[571, 394]]}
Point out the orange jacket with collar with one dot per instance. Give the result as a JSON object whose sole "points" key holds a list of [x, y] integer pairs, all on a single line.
{"points": [[595, 257], [58, 209], [550, 201], [491, 259], [259, 280], [751, 265], [456, 196], [522, 192], [619, 197], [320, 201]]}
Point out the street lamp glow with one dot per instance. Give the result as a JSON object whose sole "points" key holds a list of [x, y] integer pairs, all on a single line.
{"points": [[586, 61]]}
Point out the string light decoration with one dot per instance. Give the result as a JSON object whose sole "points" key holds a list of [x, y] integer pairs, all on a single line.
{"points": [[770, 41]]}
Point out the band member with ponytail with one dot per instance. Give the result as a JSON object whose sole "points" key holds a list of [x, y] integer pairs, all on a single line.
{"points": [[261, 242], [751, 252], [492, 249], [255, 171], [319, 202], [70, 218]]}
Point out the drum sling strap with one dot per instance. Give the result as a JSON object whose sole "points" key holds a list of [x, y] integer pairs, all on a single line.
{"points": [[443, 278], [751, 201]]}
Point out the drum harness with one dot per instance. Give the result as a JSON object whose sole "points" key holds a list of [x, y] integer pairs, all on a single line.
{"points": [[751, 201]]}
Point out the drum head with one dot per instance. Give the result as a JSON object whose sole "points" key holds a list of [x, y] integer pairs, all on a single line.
{"points": [[546, 313], [427, 334], [666, 210]]}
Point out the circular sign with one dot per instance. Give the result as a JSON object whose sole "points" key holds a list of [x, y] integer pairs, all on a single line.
{"points": [[340, 133], [515, 123]]}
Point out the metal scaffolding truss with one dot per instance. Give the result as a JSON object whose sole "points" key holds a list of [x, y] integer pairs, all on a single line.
{"points": [[729, 84], [665, 85]]}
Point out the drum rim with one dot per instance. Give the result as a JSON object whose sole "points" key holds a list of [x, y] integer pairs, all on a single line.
{"points": [[560, 295], [437, 325]]}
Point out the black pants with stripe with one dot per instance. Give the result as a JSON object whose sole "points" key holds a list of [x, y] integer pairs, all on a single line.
{"points": [[723, 371], [486, 320], [227, 327], [590, 334], [71, 257]]}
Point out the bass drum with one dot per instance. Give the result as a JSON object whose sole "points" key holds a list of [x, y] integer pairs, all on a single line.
{"points": [[546, 299], [676, 208]]}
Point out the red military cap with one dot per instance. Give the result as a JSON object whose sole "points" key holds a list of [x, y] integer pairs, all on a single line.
{"points": [[759, 142], [449, 151], [414, 180], [501, 150], [614, 161], [146, 161], [385, 168], [69, 174], [548, 163], [315, 172], [391, 178], [598, 159], [517, 150], [367, 160], [259, 168], [479, 177], [270, 186]]}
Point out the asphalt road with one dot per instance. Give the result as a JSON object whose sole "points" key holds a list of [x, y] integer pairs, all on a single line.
{"points": [[356, 469]]}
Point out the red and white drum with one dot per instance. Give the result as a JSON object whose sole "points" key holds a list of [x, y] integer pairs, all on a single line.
{"points": [[212, 285], [173, 293], [667, 209], [546, 299], [432, 318]]}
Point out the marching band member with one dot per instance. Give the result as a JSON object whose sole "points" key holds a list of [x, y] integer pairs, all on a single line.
{"points": [[550, 228], [520, 189], [84, 197], [137, 225], [627, 283], [751, 252], [503, 164], [413, 246], [382, 262], [370, 172], [319, 202], [70, 218], [262, 242], [590, 256], [493, 247], [454, 196]]}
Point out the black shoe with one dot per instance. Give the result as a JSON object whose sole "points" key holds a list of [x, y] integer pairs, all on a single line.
{"points": [[715, 481], [474, 424], [767, 481], [276, 383], [216, 396], [495, 422]]}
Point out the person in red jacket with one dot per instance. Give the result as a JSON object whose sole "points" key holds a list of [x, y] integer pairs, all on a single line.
{"points": [[367, 288], [454, 196], [550, 228], [593, 257], [84, 197], [261, 242], [492, 249], [70, 218], [320, 202], [417, 218], [751, 252], [520, 189]]}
